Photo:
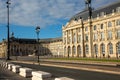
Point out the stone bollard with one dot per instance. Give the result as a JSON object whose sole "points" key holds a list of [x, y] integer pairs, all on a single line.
{"points": [[40, 75], [10, 66], [26, 72], [16, 68]]}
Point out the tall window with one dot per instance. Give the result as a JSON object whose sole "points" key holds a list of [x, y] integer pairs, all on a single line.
{"points": [[74, 49], [79, 30], [109, 34], [110, 48], [65, 50], [74, 38], [79, 38], [86, 49], [68, 39], [102, 36], [96, 49], [118, 34], [95, 27], [101, 26], [95, 36], [103, 48], [86, 37], [109, 24], [118, 48], [118, 22], [86, 28], [64, 40], [79, 49], [69, 51]]}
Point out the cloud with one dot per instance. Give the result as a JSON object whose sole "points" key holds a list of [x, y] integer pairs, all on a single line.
{"points": [[42, 12]]}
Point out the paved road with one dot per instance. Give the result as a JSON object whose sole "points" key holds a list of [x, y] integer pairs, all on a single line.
{"points": [[73, 73], [80, 64]]}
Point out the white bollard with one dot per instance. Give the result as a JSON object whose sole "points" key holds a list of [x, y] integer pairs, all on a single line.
{"points": [[64, 78], [40, 75], [10, 67], [16, 68], [26, 72]]}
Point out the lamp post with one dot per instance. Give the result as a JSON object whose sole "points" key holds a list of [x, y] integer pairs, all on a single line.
{"points": [[83, 37], [37, 29], [8, 40], [88, 4]]}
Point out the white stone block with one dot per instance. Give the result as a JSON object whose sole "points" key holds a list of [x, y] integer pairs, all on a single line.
{"points": [[16, 68], [26, 72], [64, 78], [10, 66], [40, 75]]}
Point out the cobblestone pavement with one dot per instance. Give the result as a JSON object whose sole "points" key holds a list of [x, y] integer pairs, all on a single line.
{"points": [[5, 74]]}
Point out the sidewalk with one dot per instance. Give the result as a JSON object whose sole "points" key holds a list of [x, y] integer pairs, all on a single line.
{"points": [[5, 74]]}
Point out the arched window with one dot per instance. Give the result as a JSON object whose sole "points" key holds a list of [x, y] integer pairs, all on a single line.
{"points": [[74, 49], [109, 24], [110, 48], [86, 49], [79, 49], [118, 48], [103, 48], [96, 49]]}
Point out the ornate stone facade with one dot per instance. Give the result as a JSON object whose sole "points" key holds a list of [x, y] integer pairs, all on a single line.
{"points": [[102, 39]]}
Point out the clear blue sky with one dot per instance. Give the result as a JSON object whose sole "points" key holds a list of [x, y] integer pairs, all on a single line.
{"points": [[50, 15]]}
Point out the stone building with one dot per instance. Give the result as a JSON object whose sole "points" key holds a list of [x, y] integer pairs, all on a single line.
{"points": [[25, 47], [102, 39]]}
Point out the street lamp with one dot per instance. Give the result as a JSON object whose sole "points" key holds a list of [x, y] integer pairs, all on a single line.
{"points": [[8, 45], [83, 37], [88, 3], [37, 29]]}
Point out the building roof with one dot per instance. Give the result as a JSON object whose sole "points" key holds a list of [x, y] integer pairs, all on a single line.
{"points": [[108, 9], [33, 41]]}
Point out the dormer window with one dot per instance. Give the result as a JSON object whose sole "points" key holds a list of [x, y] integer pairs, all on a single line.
{"points": [[102, 14], [75, 19], [118, 9], [97, 15], [113, 11]]}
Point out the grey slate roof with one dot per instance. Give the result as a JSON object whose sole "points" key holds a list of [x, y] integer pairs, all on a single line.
{"points": [[33, 41], [106, 9]]}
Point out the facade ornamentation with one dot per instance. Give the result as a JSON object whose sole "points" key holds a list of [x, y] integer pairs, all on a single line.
{"points": [[105, 33]]}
